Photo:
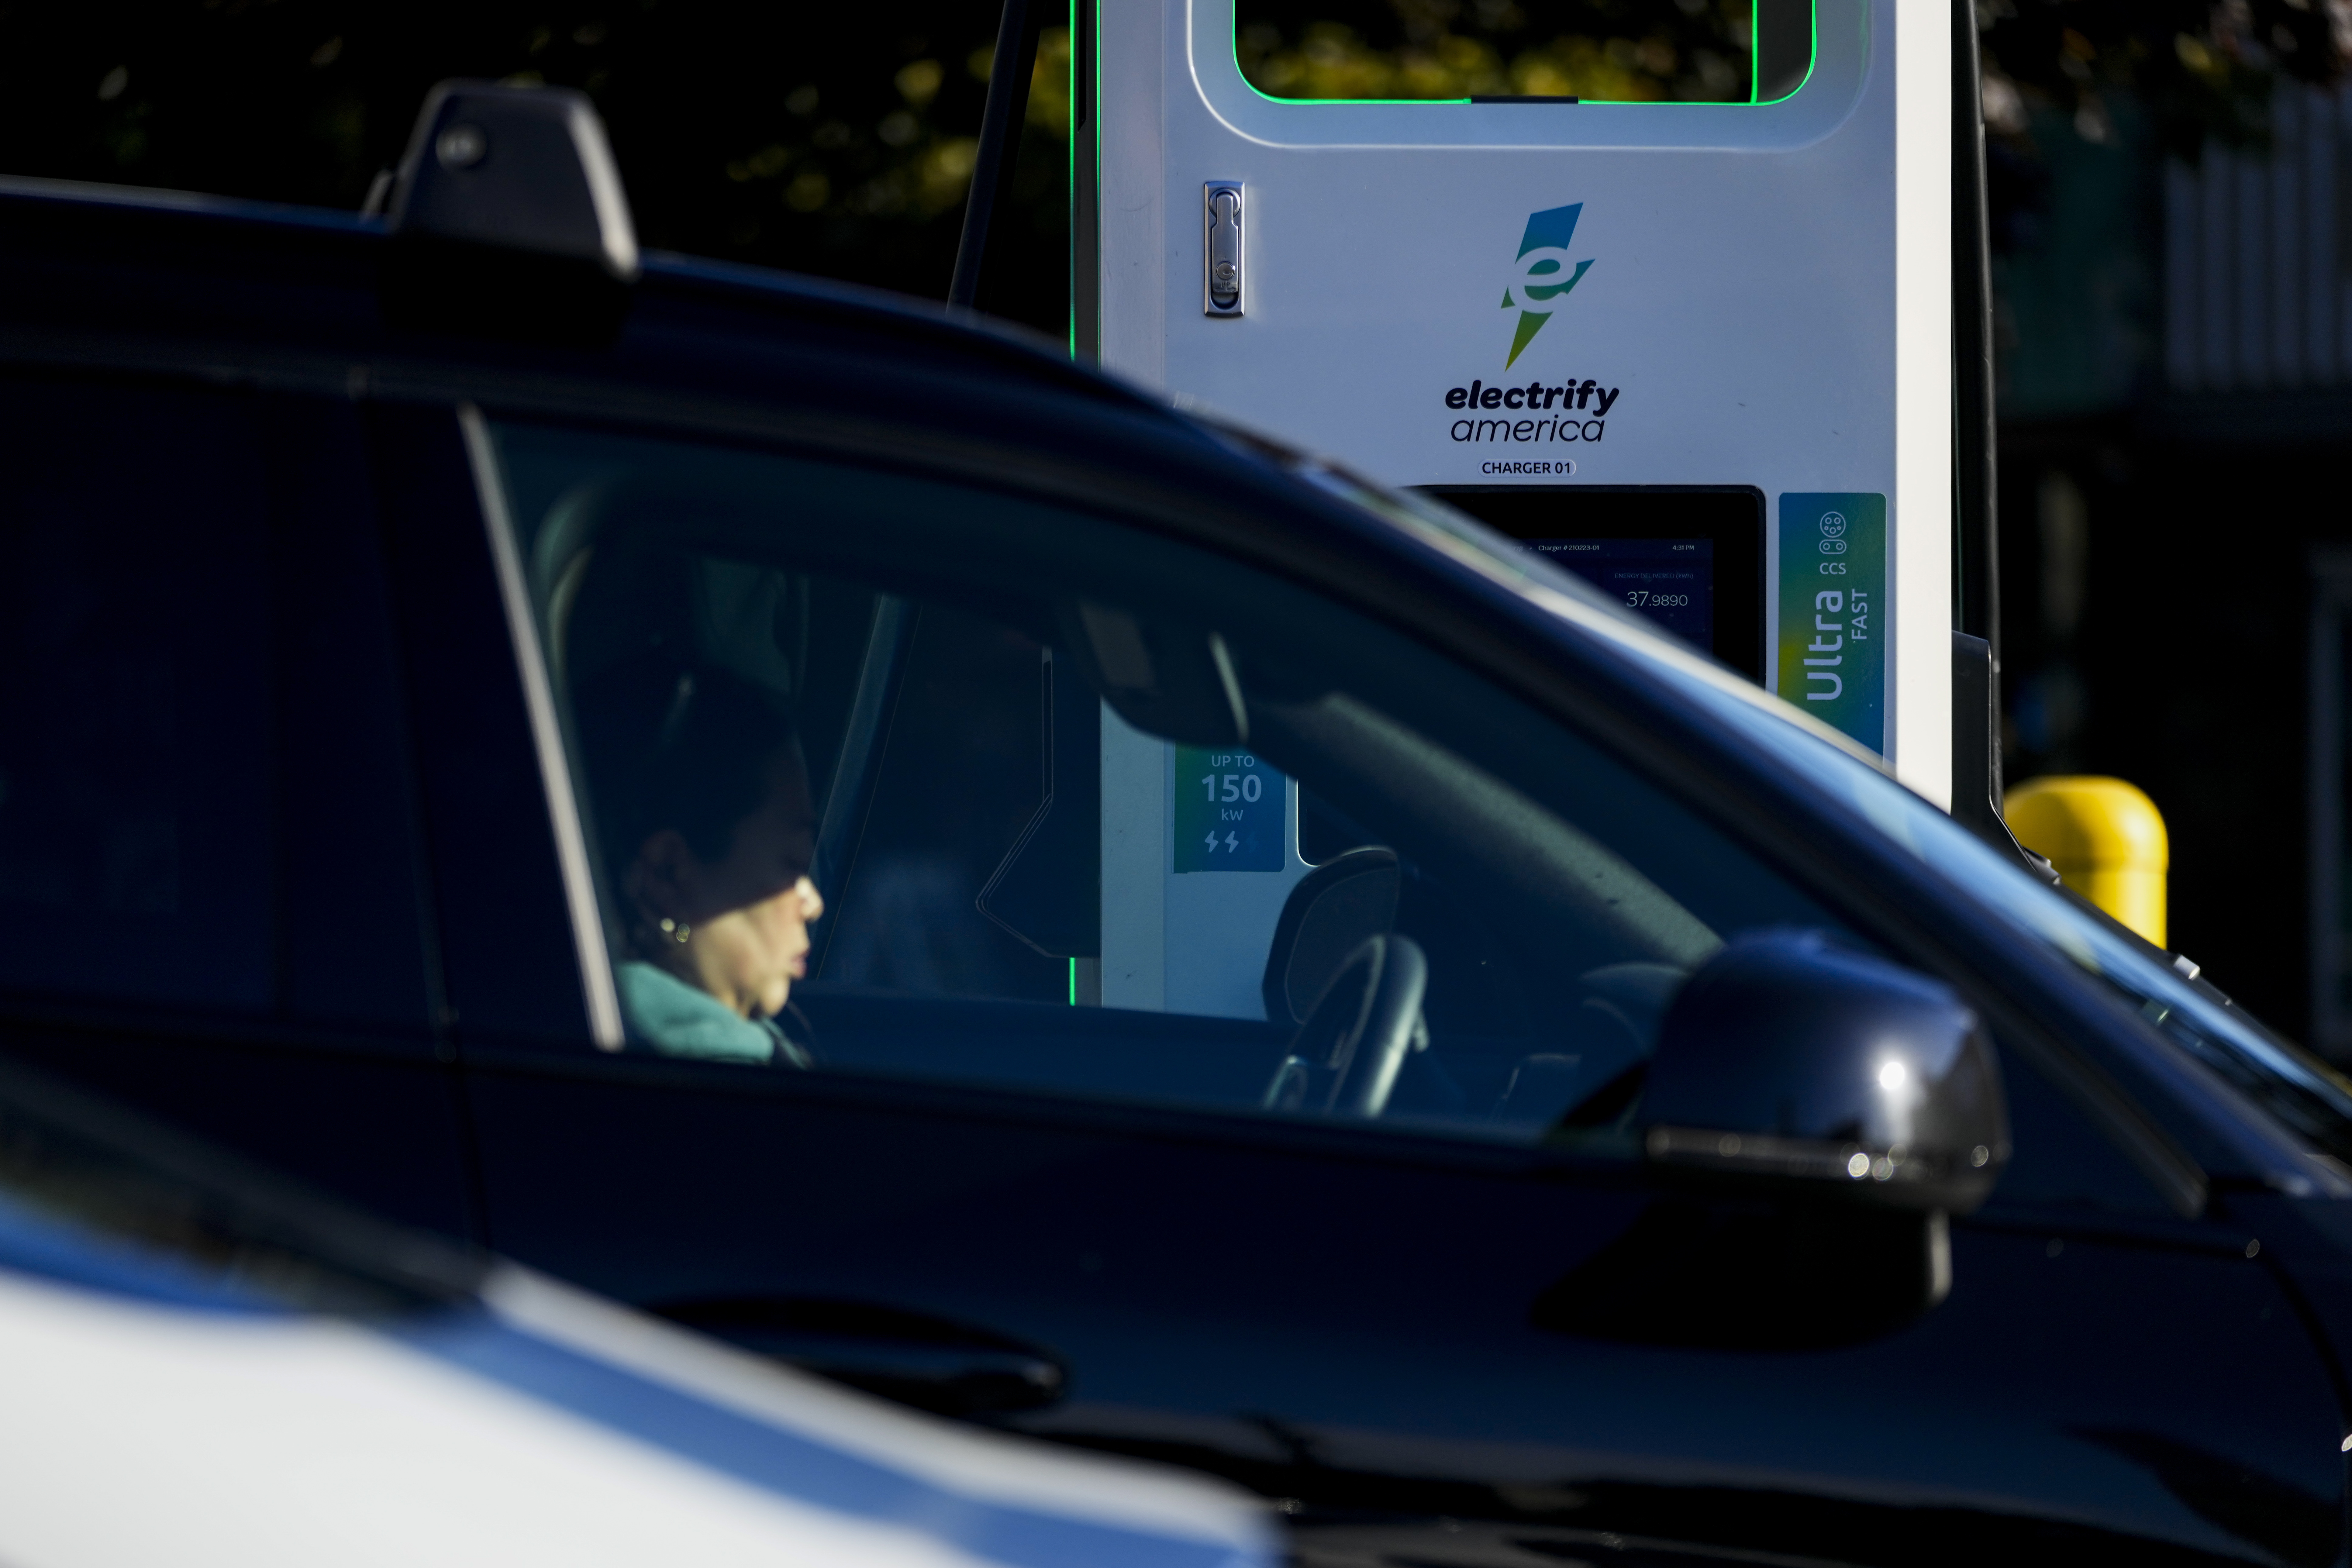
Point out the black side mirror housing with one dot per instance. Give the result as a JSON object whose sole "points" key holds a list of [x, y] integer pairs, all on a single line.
{"points": [[1814, 1115], [1789, 1064]]}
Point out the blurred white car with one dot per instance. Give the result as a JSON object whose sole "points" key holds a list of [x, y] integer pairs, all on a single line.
{"points": [[203, 1367]]}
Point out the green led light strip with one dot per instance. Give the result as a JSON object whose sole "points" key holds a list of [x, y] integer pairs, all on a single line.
{"points": [[1813, 58]]}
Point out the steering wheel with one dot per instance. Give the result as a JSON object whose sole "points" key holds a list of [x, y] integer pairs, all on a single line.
{"points": [[1345, 1058]]}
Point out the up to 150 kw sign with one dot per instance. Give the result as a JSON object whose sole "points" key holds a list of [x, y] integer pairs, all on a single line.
{"points": [[1228, 812]]}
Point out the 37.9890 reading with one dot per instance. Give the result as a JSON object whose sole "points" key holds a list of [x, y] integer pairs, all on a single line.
{"points": [[1641, 598]]}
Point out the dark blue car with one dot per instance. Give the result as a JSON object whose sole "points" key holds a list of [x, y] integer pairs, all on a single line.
{"points": [[829, 823]]}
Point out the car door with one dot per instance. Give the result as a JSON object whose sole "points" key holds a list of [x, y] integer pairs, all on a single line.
{"points": [[209, 899], [960, 886]]}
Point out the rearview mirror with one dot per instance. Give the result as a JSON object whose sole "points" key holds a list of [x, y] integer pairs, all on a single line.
{"points": [[1791, 1062], [1167, 679]]}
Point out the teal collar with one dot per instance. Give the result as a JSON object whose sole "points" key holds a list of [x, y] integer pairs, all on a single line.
{"points": [[682, 1020]]}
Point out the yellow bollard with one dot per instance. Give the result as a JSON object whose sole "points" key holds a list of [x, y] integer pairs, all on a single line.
{"points": [[2106, 839]]}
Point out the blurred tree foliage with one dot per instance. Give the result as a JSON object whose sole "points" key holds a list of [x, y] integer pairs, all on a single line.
{"points": [[2199, 67], [1598, 50], [839, 140], [2126, 77], [2196, 68], [836, 140]]}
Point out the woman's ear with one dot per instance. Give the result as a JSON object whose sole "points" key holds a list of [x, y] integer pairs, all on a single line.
{"points": [[660, 879]]}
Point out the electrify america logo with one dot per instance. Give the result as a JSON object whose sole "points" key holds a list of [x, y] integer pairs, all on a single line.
{"points": [[1542, 277], [1539, 278]]}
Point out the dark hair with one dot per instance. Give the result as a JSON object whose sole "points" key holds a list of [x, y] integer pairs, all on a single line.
{"points": [[687, 749]]}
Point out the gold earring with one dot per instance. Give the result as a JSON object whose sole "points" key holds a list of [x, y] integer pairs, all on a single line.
{"points": [[676, 931]]}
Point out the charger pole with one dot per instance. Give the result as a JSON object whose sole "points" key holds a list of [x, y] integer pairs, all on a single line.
{"points": [[999, 126], [1976, 576]]}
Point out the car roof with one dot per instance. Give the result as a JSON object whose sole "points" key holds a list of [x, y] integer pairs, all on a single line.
{"points": [[322, 235]]}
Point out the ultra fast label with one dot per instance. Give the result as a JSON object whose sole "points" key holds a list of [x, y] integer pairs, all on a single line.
{"points": [[1833, 652]]}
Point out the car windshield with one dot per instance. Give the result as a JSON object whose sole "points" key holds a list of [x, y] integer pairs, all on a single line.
{"points": [[2296, 1088], [2293, 1086]]}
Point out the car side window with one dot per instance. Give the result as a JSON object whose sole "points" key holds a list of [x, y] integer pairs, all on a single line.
{"points": [[889, 776], [911, 916], [198, 779]]}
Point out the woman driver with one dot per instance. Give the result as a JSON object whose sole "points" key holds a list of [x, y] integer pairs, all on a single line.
{"points": [[702, 803]]}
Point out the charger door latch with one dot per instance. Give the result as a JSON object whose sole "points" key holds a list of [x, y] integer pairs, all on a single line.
{"points": [[1221, 248]]}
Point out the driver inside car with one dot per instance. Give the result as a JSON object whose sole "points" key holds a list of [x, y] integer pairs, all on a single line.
{"points": [[702, 801]]}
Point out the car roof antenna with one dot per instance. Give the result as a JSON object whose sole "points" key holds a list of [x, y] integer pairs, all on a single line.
{"points": [[520, 168], [507, 217]]}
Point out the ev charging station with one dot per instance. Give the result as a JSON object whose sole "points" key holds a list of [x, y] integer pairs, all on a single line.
{"points": [[1555, 297], [1706, 347]]}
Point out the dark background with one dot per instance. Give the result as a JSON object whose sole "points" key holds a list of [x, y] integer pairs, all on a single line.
{"points": [[2157, 532], [2155, 538], [830, 138]]}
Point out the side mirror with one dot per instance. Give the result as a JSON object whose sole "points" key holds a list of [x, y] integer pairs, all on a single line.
{"points": [[1816, 1114], [1820, 1071]]}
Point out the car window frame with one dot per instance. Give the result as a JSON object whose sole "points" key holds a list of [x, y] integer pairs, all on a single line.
{"points": [[1498, 634], [1120, 447], [2144, 1140]]}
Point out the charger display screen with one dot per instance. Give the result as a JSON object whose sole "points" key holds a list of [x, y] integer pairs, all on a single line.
{"points": [[1671, 580], [1688, 557]]}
